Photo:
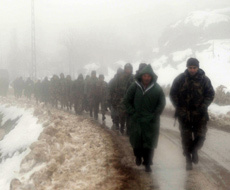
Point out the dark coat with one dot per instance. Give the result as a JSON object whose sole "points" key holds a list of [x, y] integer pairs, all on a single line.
{"points": [[191, 96], [145, 108]]}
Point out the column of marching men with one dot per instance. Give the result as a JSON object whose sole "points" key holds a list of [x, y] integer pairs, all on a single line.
{"points": [[90, 94], [136, 103]]}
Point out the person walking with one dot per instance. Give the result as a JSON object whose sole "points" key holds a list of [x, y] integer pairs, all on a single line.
{"points": [[144, 102], [191, 94]]}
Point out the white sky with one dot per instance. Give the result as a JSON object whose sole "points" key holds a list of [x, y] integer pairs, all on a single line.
{"points": [[110, 25]]}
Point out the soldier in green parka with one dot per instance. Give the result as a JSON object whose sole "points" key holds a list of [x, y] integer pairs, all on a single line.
{"points": [[144, 102]]}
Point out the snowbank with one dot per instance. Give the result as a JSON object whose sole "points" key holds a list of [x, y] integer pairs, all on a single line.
{"points": [[205, 18], [214, 109], [53, 149], [219, 110], [15, 145]]}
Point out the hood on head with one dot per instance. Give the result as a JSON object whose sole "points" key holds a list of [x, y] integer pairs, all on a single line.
{"points": [[147, 70], [80, 77]]}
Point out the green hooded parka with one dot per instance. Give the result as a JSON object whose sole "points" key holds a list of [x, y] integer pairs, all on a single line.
{"points": [[145, 107]]}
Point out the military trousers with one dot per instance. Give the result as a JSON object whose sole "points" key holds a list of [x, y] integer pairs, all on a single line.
{"points": [[193, 134]]}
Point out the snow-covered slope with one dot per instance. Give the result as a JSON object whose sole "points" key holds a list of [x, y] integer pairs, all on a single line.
{"points": [[214, 60], [196, 28], [62, 156], [202, 34], [15, 144]]}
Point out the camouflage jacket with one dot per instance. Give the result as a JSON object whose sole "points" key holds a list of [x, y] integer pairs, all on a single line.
{"points": [[118, 89], [91, 87], [101, 91], [54, 87], [77, 91], [191, 95]]}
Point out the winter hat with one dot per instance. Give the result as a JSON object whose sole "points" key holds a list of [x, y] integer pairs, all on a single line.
{"points": [[119, 70], [93, 72], [101, 76], [193, 62], [128, 65]]}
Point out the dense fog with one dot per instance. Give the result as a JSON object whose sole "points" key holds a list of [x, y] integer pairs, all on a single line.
{"points": [[74, 33]]}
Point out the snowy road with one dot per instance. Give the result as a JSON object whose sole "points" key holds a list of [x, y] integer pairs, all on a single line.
{"points": [[213, 171]]}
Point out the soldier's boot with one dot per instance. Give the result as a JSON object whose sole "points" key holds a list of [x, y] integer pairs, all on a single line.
{"points": [[195, 157], [197, 144], [148, 169], [188, 162], [138, 160]]}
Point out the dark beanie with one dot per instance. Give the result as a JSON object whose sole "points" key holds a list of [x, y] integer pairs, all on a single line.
{"points": [[101, 76], [193, 62], [93, 72]]}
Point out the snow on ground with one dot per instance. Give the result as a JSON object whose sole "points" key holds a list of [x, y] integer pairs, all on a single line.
{"points": [[72, 152], [205, 18], [14, 147], [214, 109], [214, 60], [219, 110], [181, 55]]}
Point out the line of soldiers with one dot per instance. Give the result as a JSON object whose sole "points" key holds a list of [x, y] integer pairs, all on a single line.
{"points": [[83, 94], [136, 103]]}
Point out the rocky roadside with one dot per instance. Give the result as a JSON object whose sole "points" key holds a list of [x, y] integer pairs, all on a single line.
{"points": [[75, 152]]}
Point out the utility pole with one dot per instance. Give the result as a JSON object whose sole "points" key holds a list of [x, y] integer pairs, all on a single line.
{"points": [[33, 43]]}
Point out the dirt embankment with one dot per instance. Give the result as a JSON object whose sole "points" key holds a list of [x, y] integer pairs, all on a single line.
{"points": [[75, 152]]}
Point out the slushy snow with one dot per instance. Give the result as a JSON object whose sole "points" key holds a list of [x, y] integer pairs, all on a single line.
{"points": [[15, 145]]}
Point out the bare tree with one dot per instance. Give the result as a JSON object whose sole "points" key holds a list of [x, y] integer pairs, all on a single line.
{"points": [[69, 40]]}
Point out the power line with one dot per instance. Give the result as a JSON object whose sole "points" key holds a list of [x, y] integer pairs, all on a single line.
{"points": [[33, 43]]}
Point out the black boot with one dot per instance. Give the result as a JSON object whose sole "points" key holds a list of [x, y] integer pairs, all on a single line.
{"points": [[195, 157], [103, 118], [138, 161], [197, 144], [148, 169], [148, 156]]}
